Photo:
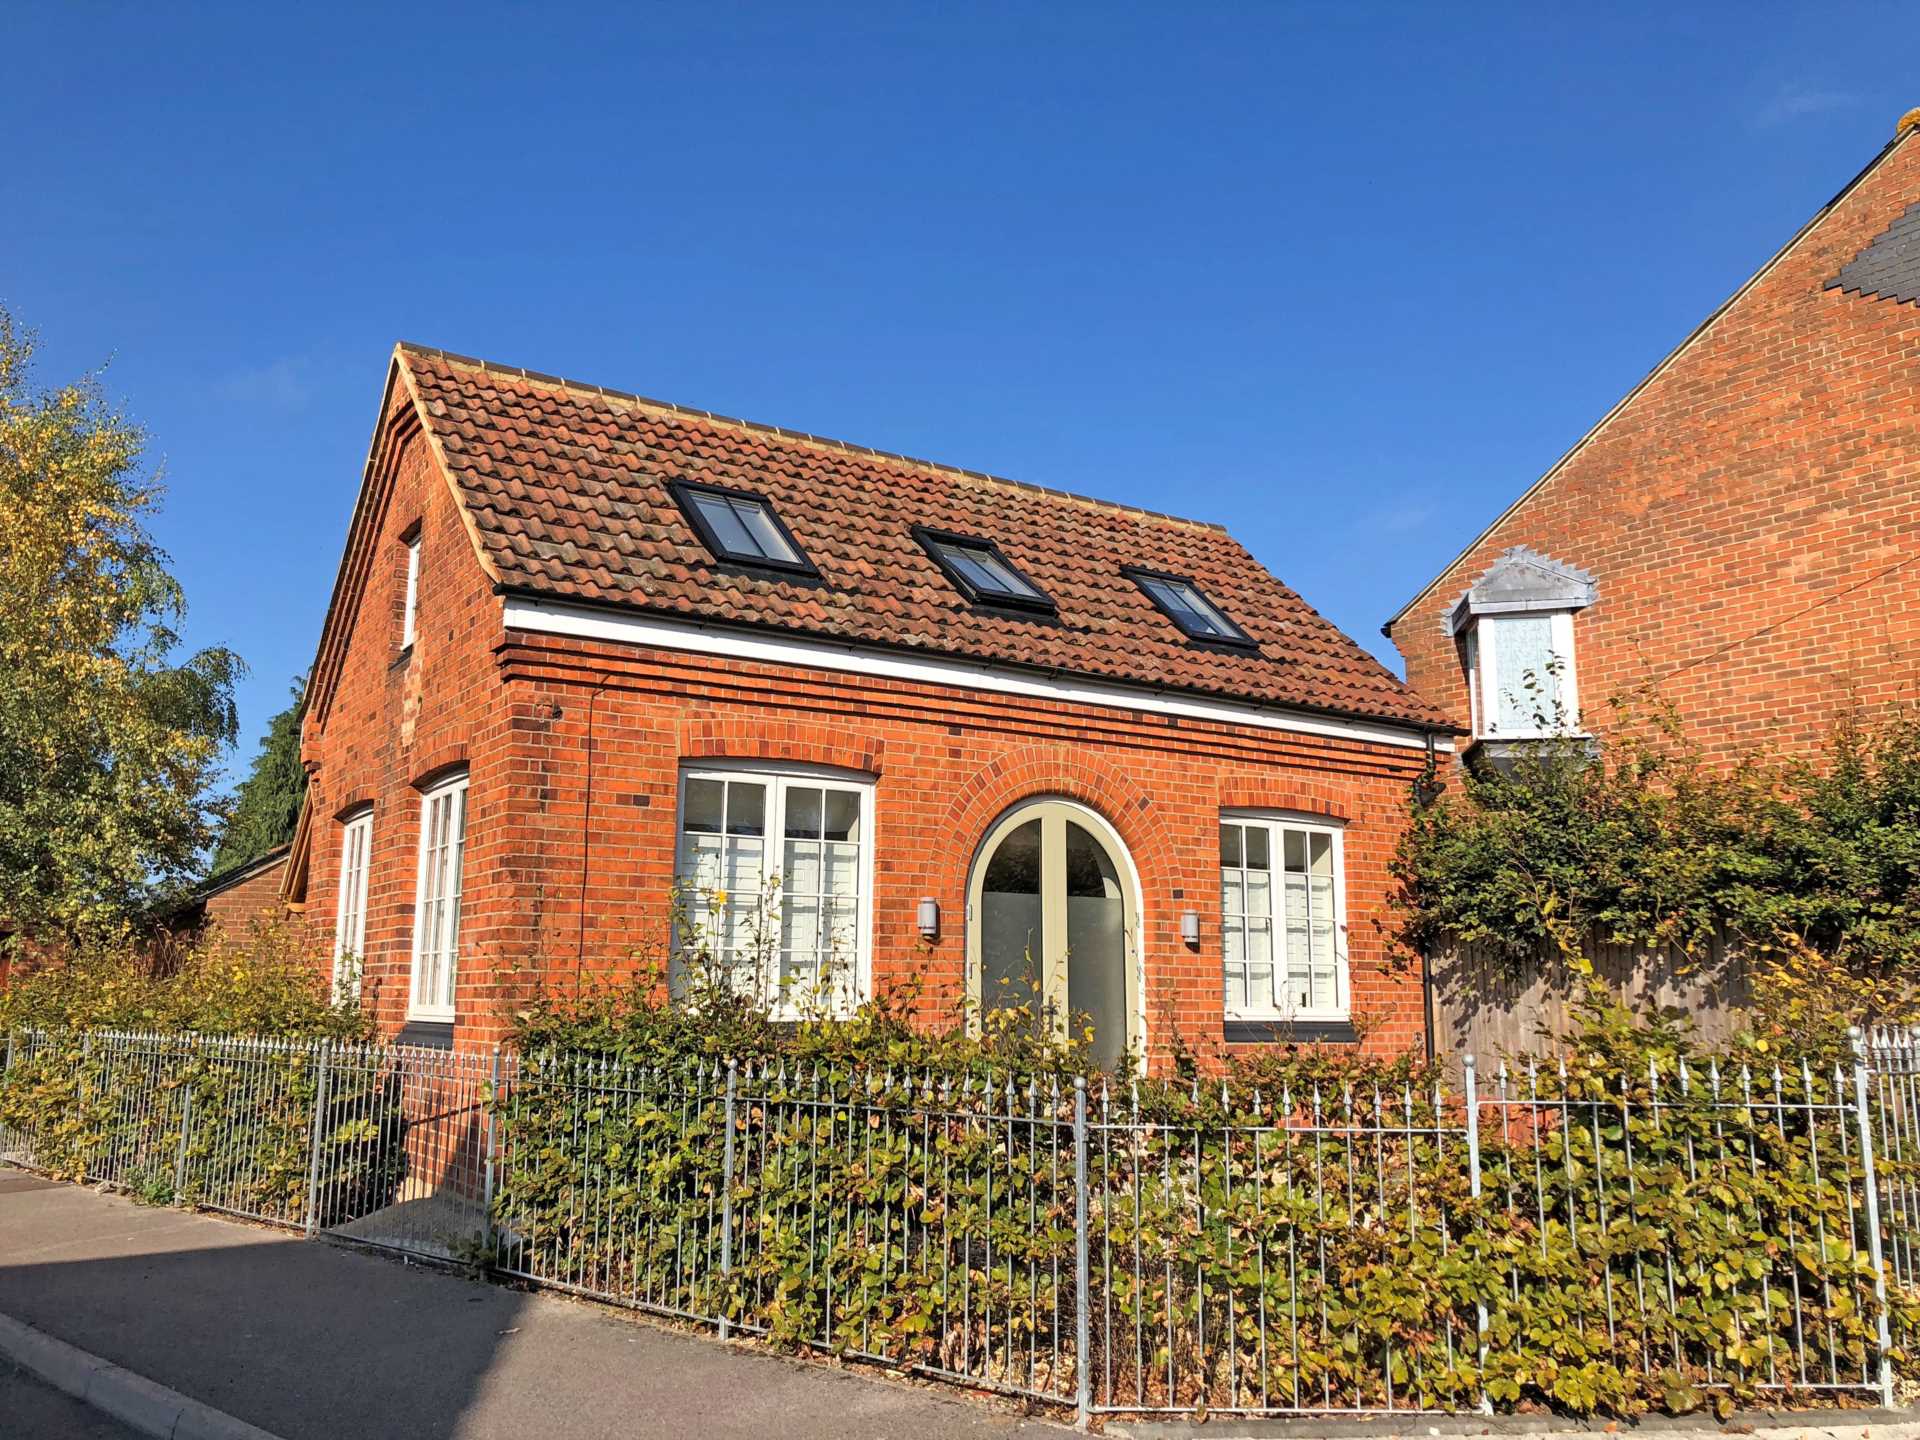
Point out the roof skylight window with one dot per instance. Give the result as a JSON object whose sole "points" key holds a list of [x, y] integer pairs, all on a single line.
{"points": [[740, 526], [1198, 617], [981, 572]]}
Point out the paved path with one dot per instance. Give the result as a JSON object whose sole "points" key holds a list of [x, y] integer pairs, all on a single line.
{"points": [[316, 1342]]}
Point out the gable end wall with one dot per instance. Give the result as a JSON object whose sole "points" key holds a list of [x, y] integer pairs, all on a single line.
{"points": [[1751, 517]]}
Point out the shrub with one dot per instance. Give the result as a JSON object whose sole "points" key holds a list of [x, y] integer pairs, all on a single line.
{"points": [[109, 1063], [1805, 865]]}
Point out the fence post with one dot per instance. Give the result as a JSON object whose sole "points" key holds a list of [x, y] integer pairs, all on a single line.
{"points": [[726, 1207], [1472, 1096], [180, 1155], [1883, 1334], [487, 1181], [313, 1143], [6, 1074], [1082, 1319]]}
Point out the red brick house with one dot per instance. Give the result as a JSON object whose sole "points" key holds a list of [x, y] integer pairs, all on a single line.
{"points": [[1740, 534], [586, 646]]}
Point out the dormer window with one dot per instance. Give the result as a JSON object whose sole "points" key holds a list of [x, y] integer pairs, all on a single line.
{"points": [[980, 572], [1515, 628], [741, 527], [1180, 600]]}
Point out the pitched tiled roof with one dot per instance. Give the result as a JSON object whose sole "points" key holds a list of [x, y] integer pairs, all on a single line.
{"points": [[1889, 268], [566, 487]]}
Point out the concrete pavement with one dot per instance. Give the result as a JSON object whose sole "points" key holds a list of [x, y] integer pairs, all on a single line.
{"points": [[316, 1342]]}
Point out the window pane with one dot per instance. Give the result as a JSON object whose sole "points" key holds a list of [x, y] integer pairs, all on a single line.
{"points": [[972, 566], [1233, 892], [706, 807], [984, 570], [1230, 845], [1528, 682], [842, 815], [740, 874], [1000, 574], [1258, 841], [765, 535], [746, 807], [1015, 866], [842, 870], [803, 813], [801, 875], [727, 526], [1191, 610], [1259, 894], [700, 863]]}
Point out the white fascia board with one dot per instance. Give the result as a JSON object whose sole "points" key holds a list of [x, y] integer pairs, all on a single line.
{"points": [[586, 623]]}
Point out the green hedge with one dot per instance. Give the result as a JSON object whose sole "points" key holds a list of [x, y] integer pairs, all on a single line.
{"points": [[1311, 1242]]}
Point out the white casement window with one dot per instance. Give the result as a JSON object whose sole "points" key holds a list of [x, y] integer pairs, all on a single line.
{"points": [[775, 877], [410, 613], [350, 920], [1520, 676], [1283, 918], [436, 917]]}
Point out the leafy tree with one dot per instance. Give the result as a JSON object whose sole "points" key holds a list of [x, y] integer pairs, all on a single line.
{"points": [[266, 807], [108, 746]]}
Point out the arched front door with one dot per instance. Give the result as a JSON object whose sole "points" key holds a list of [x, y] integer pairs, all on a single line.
{"points": [[1051, 906]]}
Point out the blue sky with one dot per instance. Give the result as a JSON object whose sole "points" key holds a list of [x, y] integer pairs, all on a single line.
{"points": [[1345, 277]]}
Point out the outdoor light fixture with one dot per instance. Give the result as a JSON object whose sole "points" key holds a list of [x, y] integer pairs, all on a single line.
{"points": [[929, 917], [1190, 927]]}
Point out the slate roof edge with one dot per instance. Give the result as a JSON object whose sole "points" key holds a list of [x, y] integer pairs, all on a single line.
{"points": [[1436, 726], [1901, 134], [846, 447], [1905, 292]]}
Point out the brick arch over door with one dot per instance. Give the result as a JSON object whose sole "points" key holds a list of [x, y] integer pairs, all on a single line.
{"points": [[1052, 770]]}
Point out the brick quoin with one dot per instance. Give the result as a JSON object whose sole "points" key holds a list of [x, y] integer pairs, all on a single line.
{"points": [[1751, 515], [573, 749]]}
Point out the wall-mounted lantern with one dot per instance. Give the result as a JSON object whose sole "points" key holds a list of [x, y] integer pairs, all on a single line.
{"points": [[1190, 928], [929, 917]]}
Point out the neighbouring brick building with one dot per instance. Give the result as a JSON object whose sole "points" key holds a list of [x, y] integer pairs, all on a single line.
{"points": [[1740, 534], [235, 898], [585, 647]]}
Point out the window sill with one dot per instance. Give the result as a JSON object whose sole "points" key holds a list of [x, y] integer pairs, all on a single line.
{"points": [[436, 1034], [1291, 1031], [1505, 752]]}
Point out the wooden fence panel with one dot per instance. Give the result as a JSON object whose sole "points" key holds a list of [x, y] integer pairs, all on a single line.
{"points": [[1488, 1006]]}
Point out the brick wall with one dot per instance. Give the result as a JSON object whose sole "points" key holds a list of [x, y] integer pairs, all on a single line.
{"points": [[255, 898], [544, 846], [947, 763], [1752, 516], [396, 719]]}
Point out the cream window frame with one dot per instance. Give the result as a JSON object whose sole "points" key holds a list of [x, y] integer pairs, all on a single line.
{"points": [[433, 985], [1483, 670], [1276, 826], [780, 781], [350, 913]]}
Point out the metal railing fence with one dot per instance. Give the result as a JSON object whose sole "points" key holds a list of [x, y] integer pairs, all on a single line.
{"points": [[1551, 1229]]}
